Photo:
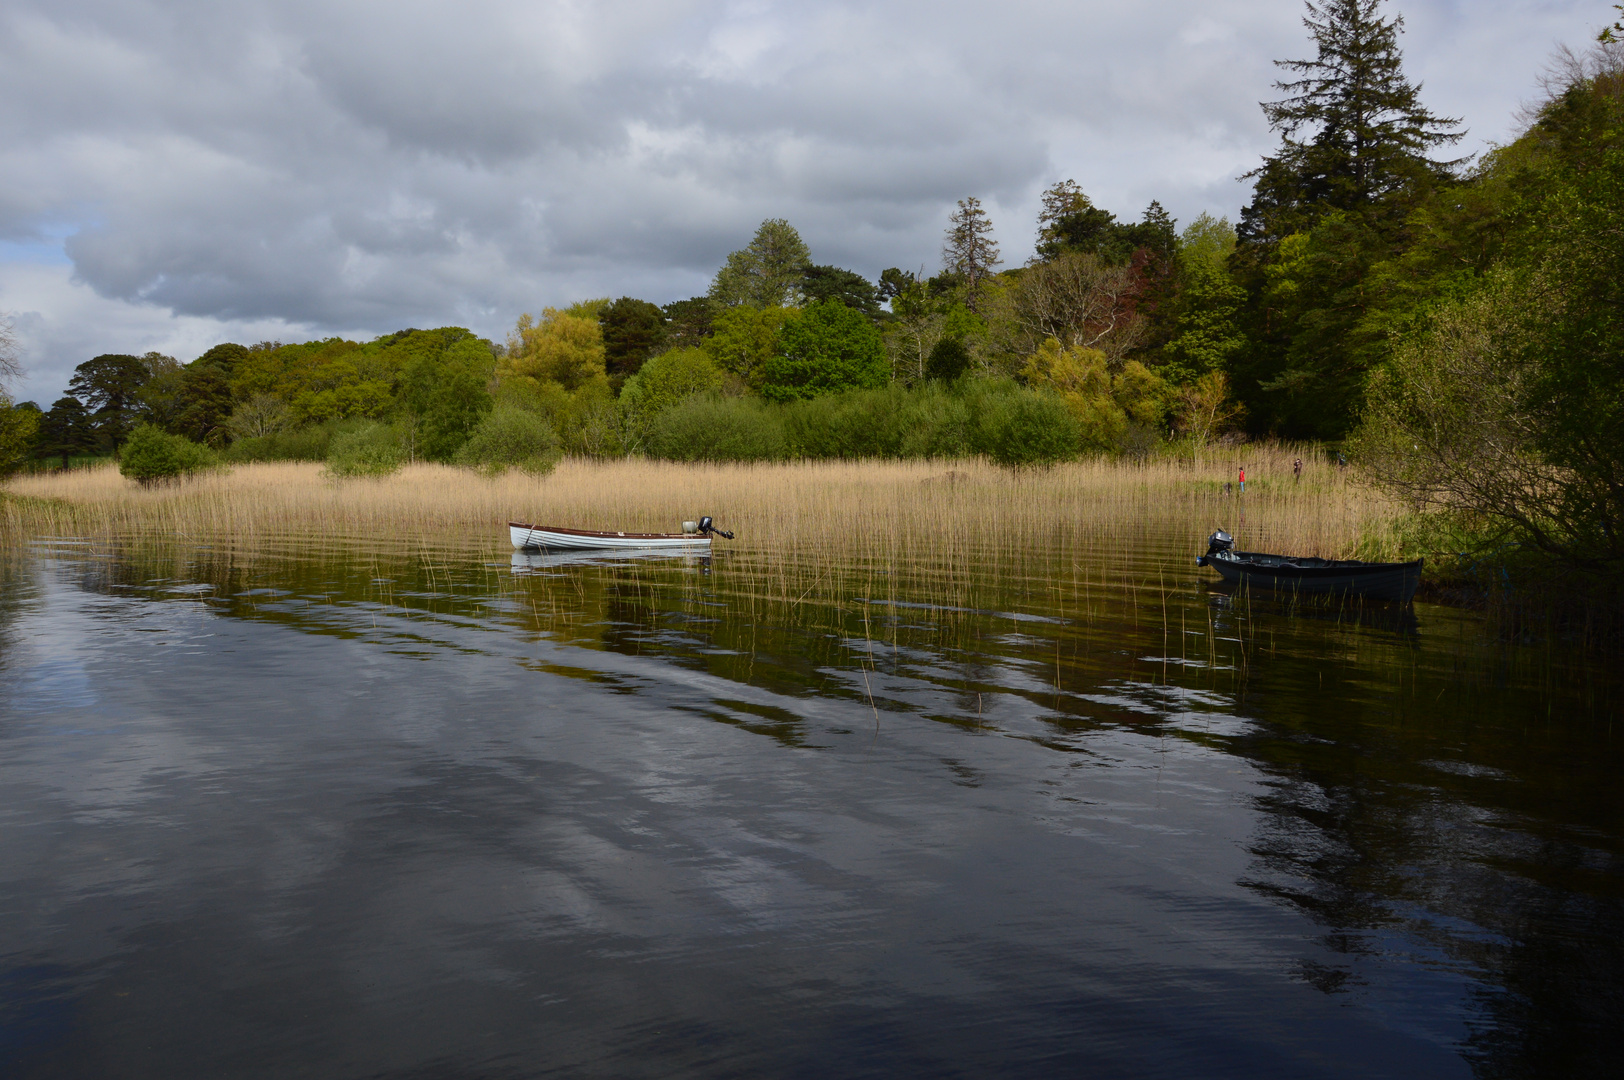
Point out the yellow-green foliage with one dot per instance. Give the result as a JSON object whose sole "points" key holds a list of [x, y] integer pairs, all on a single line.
{"points": [[1104, 405], [335, 379], [17, 429], [555, 367], [561, 348], [320, 380], [745, 338]]}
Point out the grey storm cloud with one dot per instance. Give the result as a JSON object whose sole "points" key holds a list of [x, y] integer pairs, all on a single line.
{"points": [[366, 165]]}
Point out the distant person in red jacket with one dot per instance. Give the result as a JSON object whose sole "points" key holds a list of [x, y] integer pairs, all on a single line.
{"points": [[1243, 479]]}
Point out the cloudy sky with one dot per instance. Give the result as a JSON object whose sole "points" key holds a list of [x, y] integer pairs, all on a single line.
{"points": [[174, 173]]}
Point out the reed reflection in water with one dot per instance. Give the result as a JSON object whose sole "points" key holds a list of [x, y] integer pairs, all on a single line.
{"points": [[444, 810]]}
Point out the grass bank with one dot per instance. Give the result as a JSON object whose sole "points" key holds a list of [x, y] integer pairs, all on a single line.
{"points": [[875, 509]]}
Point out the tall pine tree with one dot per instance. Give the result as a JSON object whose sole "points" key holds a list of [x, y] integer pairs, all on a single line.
{"points": [[969, 249], [1353, 163], [1354, 134]]}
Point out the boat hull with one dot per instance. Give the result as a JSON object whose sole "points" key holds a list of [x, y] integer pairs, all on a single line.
{"points": [[1377, 581], [550, 538]]}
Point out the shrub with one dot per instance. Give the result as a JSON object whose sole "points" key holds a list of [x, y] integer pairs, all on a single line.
{"points": [[511, 438], [896, 422], [668, 379], [712, 428], [369, 450], [153, 456], [308, 443], [1021, 428]]}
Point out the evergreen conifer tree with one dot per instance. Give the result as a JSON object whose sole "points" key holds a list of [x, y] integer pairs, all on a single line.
{"points": [[969, 250], [1353, 163], [1354, 134]]}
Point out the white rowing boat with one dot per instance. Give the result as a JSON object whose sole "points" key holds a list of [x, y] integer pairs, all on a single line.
{"points": [[552, 538]]}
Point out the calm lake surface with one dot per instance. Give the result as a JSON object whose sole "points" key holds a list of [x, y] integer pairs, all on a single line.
{"points": [[349, 811]]}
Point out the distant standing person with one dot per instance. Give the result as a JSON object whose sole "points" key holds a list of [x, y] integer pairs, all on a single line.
{"points": [[1297, 471], [1243, 479]]}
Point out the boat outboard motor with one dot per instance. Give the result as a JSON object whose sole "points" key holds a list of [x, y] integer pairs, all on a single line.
{"points": [[1217, 544], [707, 528]]}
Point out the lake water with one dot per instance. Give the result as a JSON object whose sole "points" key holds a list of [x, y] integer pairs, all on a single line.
{"points": [[443, 810]]}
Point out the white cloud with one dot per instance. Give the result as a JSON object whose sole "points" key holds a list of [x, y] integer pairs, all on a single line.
{"points": [[250, 169]]}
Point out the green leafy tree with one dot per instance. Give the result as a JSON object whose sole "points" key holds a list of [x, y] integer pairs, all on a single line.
{"points": [[447, 394], [159, 396], [204, 403], [744, 340], [368, 450], [892, 282], [708, 427], [1504, 404], [828, 349], [1026, 430], [766, 273], [1206, 316], [223, 357], [670, 378], [969, 251], [1327, 208], [633, 331], [562, 348], [1069, 221]]}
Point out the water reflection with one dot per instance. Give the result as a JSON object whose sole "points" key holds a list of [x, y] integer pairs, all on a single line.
{"points": [[443, 811]]}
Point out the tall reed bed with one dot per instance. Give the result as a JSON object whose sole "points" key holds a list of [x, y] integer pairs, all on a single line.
{"points": [[800, 526], [876, 506]]}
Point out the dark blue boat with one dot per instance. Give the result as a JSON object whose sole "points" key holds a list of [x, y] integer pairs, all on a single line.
{"points": [[1290, 574]]}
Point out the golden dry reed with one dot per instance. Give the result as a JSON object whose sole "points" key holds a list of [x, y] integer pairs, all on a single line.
{"points": [[878, 510]]}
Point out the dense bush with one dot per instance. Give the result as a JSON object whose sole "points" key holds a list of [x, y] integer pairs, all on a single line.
{"points": [[896, 422], [368, 450], [308, 443], [153, 456], [511, 438], [1024, 429], [670, 378], [830, 348], [714, 428], [1011, 425]]}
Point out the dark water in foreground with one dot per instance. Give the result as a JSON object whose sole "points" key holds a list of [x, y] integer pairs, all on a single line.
{"points": [[347, 812]]}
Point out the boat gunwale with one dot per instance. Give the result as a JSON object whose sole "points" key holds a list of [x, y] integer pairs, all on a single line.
{"points": [[1290, 565], [598, 535]]}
